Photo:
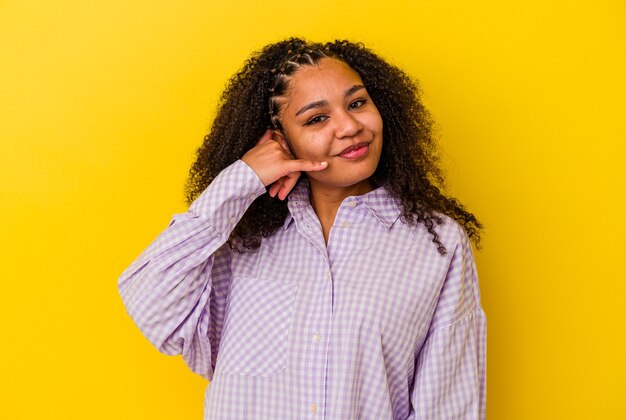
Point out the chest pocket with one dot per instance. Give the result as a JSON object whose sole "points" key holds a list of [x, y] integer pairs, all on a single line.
{"points": [[256, 327]]}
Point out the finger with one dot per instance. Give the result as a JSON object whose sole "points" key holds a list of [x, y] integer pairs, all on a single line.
{"points": [[306, 165], [274, 189], [288, 185], [276, 186], [281, 140], [267, 136]]}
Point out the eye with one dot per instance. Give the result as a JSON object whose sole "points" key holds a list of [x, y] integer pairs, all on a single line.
{"points": [[357, 104], [316, 120]]}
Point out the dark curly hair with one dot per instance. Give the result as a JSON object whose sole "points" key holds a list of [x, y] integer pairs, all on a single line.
{"points": [[409, 164]]}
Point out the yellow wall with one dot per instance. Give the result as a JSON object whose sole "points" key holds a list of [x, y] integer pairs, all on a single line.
{"points": [[102, 105]]}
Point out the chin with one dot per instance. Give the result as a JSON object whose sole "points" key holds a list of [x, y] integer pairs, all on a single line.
{"points": [[345, 180]]}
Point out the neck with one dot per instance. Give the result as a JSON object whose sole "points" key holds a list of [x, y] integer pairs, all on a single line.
{"points": [[326, 200]]}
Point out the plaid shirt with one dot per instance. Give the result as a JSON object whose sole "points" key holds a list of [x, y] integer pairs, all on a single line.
{"points": [[375, 325]]}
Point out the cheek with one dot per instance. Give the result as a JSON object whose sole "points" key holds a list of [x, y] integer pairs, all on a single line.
{"points": [[311, 146], [376, 123]]}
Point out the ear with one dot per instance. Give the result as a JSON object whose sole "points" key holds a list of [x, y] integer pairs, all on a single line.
{"points": [[280, 137]]}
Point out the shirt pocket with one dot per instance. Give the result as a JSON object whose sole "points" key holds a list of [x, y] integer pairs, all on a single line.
{"points": [[256, 327]]}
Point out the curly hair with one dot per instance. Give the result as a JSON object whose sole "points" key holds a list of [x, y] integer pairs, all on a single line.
{"points": [[409, 163]]}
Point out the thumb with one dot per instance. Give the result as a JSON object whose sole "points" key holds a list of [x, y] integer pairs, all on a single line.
{"points": [[267, 136]]}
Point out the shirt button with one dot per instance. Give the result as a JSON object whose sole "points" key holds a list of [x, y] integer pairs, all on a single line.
{"points": [[233, 220], [345, 224], [317, 337], [327, 274], [352, 203], [314, 408]]}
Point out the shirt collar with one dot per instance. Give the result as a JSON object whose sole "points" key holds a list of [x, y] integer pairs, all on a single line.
{"points": [[382, 205]]}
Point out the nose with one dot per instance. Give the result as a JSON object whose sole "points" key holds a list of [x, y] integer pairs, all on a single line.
{"points": [[347, 125]]}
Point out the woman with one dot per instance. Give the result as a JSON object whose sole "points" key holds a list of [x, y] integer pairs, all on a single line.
{"points": [[319, 272]]}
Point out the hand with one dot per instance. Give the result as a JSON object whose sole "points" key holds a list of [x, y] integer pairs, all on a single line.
{"points": [[274, 164]]}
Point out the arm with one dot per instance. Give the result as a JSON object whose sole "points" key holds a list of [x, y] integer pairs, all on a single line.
{"points": [[175, 291], [168, 290], [450, 374]]}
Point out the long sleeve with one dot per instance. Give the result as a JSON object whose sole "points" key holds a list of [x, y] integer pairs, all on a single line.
{"points": [[170, 290], [450, 375]]}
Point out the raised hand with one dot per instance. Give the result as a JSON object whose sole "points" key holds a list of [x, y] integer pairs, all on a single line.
{"points": [[274, 164]]}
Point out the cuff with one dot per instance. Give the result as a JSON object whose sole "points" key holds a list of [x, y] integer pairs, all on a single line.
{"points": [[224, 202]]}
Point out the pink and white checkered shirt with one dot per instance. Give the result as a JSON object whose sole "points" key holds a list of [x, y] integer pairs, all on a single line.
{"points": [[376, 325]]}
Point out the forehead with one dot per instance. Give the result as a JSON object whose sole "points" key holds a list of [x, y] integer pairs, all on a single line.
{"points": [[316, 82], [325, 68]]}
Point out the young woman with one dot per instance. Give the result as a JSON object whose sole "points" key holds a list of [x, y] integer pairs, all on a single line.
{"points": [[319, 271]]}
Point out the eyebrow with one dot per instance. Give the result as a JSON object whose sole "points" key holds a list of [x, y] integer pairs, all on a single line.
{"points": [[319, 104]]}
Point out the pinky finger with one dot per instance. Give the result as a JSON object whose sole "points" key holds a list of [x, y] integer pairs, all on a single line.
{"points": [[275, 188]]}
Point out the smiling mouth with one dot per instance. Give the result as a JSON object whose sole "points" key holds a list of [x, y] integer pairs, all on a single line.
{"points": [[352, 148], [358, 151]]}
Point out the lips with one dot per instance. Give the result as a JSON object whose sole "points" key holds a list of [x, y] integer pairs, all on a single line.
{"points": [[353, 147]]}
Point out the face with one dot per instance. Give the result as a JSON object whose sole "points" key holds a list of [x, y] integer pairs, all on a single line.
{"points": [[327, 115]]}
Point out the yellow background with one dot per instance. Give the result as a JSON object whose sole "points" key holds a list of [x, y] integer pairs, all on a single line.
{"points": [[103, 104]]}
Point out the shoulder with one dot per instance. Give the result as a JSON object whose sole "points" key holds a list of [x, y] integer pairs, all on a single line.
{"points": [[449, 232]]}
